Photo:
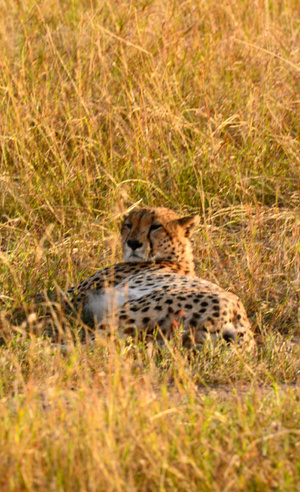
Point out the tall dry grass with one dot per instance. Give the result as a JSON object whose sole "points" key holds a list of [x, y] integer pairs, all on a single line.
{"points": [[192, 105]]}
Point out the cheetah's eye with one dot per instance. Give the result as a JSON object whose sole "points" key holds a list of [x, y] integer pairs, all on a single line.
{"points": [[129, 226], [154, 227]]}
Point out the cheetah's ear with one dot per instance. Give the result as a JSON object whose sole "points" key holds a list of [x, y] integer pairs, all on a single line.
{"points": [[189, 224]]}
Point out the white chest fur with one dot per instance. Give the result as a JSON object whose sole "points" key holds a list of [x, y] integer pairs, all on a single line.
{"points": [[104, 302]]}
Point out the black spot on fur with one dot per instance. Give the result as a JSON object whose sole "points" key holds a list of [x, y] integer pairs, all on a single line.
{"points": [[204, 303], [228, 336], [146, 320], [158, 308], [129, 331]]}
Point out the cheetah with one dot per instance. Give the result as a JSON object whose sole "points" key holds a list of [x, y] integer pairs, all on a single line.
{"points": [[156, 289]]}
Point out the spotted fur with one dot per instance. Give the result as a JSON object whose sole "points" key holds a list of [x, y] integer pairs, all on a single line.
{"points": [[156, 286]]}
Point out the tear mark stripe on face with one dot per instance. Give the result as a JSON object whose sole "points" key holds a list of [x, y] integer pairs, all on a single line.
{"points": [[151, 244]]}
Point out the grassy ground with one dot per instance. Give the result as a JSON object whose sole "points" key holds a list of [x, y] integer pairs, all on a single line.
{"points": [[191, 105]]}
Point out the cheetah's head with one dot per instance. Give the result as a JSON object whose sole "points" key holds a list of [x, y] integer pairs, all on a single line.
{"points": [[151, 234]]}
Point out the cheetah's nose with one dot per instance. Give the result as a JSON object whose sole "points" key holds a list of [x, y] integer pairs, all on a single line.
{"points": [[134, 244]]}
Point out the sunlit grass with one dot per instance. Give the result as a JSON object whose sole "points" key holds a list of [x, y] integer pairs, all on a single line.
{"points": [[191, 105], [117, 418]]}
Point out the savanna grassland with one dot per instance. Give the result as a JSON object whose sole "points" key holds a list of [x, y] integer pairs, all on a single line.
{"points": [[107, 105]]}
